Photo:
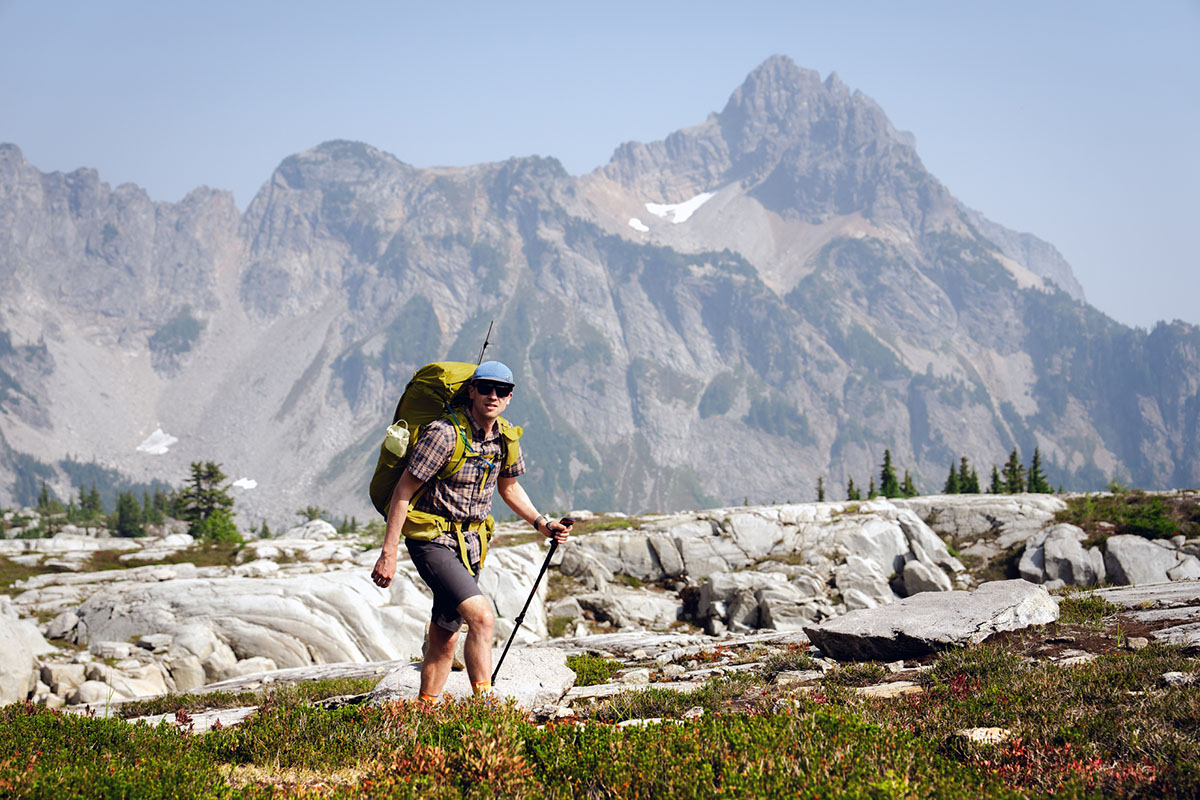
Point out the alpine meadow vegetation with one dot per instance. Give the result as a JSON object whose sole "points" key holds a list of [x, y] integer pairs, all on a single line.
{"points": [[1109, 727]]}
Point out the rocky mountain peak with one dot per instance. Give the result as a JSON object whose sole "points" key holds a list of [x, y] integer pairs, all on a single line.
{"points": [[776, 93], [337, 162], [786, 273]]}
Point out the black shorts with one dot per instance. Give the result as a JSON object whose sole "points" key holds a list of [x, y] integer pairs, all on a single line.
{"points": [[443, 571]]}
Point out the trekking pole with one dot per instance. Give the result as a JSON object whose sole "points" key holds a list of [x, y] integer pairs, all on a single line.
{"points": [[486, 341], [521, 617]]}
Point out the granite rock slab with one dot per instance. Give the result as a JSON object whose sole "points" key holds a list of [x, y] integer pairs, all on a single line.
{"points": [[933, 621]]}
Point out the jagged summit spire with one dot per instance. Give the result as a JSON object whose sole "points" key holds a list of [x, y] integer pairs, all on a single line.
{"points": [[773, 89]]}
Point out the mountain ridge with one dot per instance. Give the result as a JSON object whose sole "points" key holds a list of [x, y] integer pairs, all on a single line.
{"points": [[827, 299]]}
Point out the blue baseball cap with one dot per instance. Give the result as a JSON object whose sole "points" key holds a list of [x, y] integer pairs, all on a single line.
{"points": [[493, 371]]}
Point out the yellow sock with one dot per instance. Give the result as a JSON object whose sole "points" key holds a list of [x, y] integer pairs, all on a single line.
{"points": [[429, 699], [481, 688]]}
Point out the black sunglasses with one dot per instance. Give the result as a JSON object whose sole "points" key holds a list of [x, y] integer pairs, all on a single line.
{"points": [[487, 387]]}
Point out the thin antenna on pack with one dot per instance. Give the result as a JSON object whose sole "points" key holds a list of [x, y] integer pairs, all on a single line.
{"points": [[486, 341]]}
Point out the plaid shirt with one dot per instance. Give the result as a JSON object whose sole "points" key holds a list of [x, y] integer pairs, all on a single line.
{"points": [[465, 496]]}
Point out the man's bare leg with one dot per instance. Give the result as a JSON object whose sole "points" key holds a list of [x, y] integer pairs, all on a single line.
{"points": [[439, 657], [477, 653]]}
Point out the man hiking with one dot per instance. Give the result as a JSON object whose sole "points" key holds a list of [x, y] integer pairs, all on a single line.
{"points": [[446, 529]]}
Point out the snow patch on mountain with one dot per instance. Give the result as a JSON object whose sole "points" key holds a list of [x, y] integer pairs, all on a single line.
{"points": [[679, 212], [157, 443]]}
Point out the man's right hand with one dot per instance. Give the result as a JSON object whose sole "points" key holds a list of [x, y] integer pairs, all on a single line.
{"points": [[385, 570]]}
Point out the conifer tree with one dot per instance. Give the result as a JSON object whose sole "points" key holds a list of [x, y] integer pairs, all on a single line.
{"points": [[91, 504], [872, 492], [997, 487], [888, 485], [951, 485], [907, 489], [206, 504], [1014, 474], [128, 516], [964, 475], [852, 492], [973, 484], [150, 513], [820, 488], [162, 501], [1037, 478]]}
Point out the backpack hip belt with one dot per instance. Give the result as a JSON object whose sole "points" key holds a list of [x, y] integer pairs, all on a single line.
{"points": [[427, 526]]}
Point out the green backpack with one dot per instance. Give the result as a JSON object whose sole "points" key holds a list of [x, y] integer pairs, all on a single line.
{"points": [[430, 395]]}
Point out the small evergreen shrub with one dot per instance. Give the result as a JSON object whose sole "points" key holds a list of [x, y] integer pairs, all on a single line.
{"points": [[592, 670], [863, 674], [1085, 609]]}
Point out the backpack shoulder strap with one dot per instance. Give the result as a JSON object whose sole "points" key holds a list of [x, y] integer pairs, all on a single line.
{"points": [[462, 443], [510, 435]]}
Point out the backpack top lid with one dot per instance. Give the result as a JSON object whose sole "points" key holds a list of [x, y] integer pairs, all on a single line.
{"points": [[430, 391]]}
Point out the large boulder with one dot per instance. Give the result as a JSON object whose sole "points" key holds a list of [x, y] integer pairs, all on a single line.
{"points": [[755, 535], [862, 583], [17, 676], [786, 607], [626, 608], [627, 553], [921, 576], [732, 597], [934, 621], [875, 539], [1056, 557], [317, 529], [578, 562], [144, 681], [1132, 560]]}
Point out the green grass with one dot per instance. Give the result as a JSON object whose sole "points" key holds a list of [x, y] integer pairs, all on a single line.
{"points": [[201, 554], [605, 523], [1085, 609], [591, 670], [864, 674], [792, 659], [1108, 728], [1132, 512], [287, 695], [11, 572]]}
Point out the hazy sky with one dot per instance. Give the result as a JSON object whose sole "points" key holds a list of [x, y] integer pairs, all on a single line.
{"points": [[1075, 121]]}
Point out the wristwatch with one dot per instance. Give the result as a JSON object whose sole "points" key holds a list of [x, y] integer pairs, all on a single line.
{"points": [[537, 523]]}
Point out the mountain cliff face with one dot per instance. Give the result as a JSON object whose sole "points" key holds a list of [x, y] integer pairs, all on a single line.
{"points": [[776, 294]]}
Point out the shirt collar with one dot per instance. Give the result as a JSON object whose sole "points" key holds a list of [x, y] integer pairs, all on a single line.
{"points": [[477, 429]]}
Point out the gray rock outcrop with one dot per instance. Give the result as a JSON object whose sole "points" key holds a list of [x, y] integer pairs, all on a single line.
{"points": [[1056, 557], [1173, 608], [778, 569], [1132, 560], [17, 677], [775, 567], [930, 622]]}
